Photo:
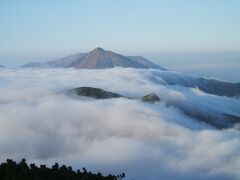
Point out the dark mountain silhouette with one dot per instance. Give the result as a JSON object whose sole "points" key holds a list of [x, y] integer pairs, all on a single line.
{"points": [[98, 58], [210, 86]]}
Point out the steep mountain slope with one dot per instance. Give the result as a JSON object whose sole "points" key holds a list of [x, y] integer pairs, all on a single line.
{"points": [[62, 62], [66, 61], [145, 62]]}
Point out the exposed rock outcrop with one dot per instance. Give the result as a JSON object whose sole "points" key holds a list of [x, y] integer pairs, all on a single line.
{"points": [[152, 98]]}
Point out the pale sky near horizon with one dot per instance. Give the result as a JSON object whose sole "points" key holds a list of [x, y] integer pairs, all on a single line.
{"points": [[36, 30]]}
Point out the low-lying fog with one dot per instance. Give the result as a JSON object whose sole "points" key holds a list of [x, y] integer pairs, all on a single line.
{"points": [[39, 122]]}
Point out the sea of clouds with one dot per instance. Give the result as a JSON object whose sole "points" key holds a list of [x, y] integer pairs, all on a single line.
{"points": [[39, 122]]}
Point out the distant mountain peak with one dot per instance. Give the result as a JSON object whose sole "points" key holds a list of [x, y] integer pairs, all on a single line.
{"points": [[98, 58]]}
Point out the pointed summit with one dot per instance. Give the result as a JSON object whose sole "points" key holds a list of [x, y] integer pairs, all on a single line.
{"points": [[98, 58], [98, 49]]}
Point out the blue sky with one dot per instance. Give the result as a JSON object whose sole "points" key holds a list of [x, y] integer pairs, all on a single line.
{"points": [[35, 30]]}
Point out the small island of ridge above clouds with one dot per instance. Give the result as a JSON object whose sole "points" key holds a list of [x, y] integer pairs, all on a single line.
{"points": [[128, 90]]}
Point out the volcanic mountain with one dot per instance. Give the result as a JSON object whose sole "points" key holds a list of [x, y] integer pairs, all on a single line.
{"points": [[98, 58]]}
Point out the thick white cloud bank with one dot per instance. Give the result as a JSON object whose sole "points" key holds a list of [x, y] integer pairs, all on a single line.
{"points": [[146, 141]]}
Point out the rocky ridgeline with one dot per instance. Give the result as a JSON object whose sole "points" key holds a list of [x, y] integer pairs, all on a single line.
{"points": [[97, 93], [222, 121]]}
